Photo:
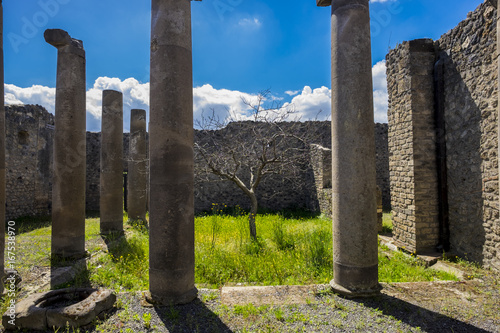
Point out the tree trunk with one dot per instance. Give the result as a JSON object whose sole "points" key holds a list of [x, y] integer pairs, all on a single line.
{"points": [[253, 214]]}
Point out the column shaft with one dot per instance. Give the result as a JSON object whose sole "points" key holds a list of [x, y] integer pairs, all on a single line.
{"points": [[171, 247], [111, 180], [355, 251], [137, 167], [68, 188]]}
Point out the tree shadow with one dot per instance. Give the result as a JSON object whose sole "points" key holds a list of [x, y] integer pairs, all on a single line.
{"points": [[192, 317], [416, 316]]}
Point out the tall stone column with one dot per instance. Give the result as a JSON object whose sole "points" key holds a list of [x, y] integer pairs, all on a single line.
{"points": [[137, 167], [355, 248], [2, 155], [497, 5], [68, 187], [111, 189], [171, 225]]}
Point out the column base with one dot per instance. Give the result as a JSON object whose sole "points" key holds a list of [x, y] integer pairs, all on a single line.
{"points": [[112, 229], [185, 298], [343, 291]]}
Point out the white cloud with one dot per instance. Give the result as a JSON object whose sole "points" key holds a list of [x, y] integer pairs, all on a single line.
{"points": [[380, 96], [310, 102], [250, 23], [383, 0], [307, 104], [135, 96], [207, 99], [292, 92], [36, 94]]}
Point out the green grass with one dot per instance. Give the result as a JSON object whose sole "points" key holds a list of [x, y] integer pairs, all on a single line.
{"points": [[289, 250], [404, 268]]}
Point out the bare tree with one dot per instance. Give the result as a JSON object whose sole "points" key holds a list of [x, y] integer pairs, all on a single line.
{"points": [[269, 145]]}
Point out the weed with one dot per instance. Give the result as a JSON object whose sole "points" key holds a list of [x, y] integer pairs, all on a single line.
{"points": [[246, 310], [146, 317], [255, 246], [283, 240], [209, 297], [172, 314], [279, 314], [317, 249]]}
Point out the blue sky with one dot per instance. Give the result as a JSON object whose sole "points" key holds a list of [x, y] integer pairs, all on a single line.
{"points": [[239, 48]]}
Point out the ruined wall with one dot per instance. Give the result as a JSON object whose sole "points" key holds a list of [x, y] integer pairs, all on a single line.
{"points": [[314, 193], [471, 103], [414, 177], [29, 133], [29, 177], [321, 164], [469, 61]]}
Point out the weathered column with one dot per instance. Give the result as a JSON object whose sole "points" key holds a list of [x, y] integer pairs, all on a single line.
{"points": [[355, 249], [137, 167], [68, 187], [2, 155], [497, 5], [171, 225], [111, 189]]}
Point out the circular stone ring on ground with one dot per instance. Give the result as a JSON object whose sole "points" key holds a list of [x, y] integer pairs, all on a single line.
{"points": [[75, 307]]}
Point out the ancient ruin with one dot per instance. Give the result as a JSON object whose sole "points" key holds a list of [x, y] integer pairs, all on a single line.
{"points": [[440, 148], [111, 212], [71, 307], [30, 192], [443, 140], [137, 166], [68, 188], [355, 249], [171, 225]]}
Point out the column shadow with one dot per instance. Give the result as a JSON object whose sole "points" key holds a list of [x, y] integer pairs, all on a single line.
{"points": [[192, 317], [416, 316]]}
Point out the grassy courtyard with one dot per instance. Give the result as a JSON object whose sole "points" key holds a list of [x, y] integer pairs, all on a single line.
{"points": [[294, 249]]}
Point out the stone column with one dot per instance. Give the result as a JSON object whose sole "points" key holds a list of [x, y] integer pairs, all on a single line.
{"points": [[111, 198], [68, 187], [2, 155], [171, 224], [355, 249], [496, 5], [137, 167]]}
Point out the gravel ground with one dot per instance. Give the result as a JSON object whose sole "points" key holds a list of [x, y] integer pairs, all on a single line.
{"points": [[464, 306], [467, 306]]}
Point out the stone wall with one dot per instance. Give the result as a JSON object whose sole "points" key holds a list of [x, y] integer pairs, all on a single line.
{"points": [[321, 164], [29, 170], [29, 133], [467, 55], [412, 143], [471, 104]]}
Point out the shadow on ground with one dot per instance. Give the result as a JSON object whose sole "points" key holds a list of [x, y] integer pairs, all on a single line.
{"points": [[416, 316], [193, 317]]}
